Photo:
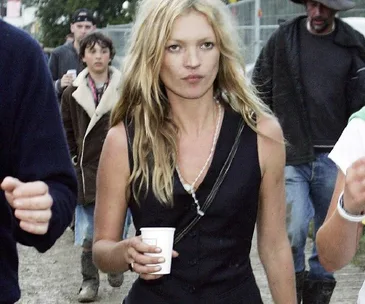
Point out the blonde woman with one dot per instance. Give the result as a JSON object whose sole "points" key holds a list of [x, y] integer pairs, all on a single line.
{"points": [[184, 104]]}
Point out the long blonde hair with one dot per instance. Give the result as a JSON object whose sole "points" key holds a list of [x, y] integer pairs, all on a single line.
{"points": [[142, 94]]}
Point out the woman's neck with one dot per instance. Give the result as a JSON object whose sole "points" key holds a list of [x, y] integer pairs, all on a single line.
{"points": [[193, 117]]}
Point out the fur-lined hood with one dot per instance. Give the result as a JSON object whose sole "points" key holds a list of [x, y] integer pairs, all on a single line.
{"points": [[84, 98]]}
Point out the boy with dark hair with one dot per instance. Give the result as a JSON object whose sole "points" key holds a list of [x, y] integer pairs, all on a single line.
{"points": [[85, 108], [91, 40]]}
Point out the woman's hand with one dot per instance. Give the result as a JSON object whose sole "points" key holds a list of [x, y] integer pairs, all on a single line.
{"points": [[135, 255]]}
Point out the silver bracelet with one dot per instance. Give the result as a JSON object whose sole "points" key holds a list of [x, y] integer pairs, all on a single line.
{"points": [[347, 216]]}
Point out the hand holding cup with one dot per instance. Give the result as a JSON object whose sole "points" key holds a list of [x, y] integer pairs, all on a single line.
{"points": [[147, 259], [73, 74], [68, 78]]}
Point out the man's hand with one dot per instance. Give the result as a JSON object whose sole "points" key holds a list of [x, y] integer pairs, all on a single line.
{"points": [[66, 80], [32, 204]]}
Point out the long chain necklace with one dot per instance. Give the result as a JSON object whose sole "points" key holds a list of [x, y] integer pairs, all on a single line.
{"points": [[191, 187]]}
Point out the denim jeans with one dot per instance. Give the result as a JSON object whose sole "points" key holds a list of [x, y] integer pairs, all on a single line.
{"points": [[84, 225], [309, 189], [127, 223]]}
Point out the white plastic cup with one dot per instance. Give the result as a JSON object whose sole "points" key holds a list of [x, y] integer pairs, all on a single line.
{"points": [[73, 73], [162, 237]]}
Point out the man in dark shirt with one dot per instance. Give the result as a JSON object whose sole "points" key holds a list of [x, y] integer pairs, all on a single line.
{"points": [[312, 75], [36, 174], [66, 57]]}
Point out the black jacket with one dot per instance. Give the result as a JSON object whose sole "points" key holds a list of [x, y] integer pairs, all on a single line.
{"points": [[32, 147], [277, 78], [63, 58]]}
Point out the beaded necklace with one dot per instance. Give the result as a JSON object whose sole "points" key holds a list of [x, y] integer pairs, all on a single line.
{"points": [[191, 187]]}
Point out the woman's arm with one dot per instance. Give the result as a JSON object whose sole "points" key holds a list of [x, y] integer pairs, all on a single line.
{"points": [[111, 204], [338, 238], [109, 253], [273, 244]]}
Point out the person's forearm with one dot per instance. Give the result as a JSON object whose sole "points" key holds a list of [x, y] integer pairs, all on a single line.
{"points": [[279, 268], [108, 256], [337, 242]]}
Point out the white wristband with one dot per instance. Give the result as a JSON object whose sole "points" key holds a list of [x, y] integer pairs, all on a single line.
{"points": [[345, 214]]}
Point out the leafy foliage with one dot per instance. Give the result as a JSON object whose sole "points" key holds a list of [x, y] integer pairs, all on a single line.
{"points": [[55, 16]]}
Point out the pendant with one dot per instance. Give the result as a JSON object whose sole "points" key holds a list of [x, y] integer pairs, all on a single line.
{"points": [[187, 187], [198, 211]]}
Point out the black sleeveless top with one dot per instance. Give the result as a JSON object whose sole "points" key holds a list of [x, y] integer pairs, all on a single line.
{"points": [[213, 264]]}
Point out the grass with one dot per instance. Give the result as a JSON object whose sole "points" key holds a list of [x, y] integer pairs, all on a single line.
{"points": [[359, 259]]}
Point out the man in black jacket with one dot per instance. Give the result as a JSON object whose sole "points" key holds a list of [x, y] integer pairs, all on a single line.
{"points": [[312, 75], [66, 57], [38, 182]]}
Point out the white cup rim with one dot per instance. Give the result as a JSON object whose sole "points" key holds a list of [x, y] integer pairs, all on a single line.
{"points": [[157, 228]]}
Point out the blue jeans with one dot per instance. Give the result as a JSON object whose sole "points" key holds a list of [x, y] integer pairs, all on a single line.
{"points": [[127, 223], [84, 225], [309, 189]]}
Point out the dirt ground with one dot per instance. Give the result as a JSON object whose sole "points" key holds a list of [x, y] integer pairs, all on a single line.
{"points": [[54, 277]]}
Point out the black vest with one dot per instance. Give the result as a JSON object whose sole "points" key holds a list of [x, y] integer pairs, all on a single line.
{"points": [[213, 264]]}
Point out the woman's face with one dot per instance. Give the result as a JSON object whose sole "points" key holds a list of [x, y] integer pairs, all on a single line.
{"points": [[191, 59]]}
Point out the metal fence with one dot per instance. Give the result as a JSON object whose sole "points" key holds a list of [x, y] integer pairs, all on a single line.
{"points": [[257, 20], [120, 35]]}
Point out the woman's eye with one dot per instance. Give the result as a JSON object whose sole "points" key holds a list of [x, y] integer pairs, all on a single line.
{"points": [[174, 48], [207, 45]]}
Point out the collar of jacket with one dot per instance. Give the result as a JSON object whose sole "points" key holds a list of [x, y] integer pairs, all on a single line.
{"points": [[345, 35], [84, 98]]}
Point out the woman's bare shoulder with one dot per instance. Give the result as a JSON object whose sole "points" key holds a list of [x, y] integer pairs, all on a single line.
{"points": [[116, 139], [269, 126], [271, 144]]}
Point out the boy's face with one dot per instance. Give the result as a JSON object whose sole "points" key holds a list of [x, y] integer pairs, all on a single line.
{"points": [[97, 58]]}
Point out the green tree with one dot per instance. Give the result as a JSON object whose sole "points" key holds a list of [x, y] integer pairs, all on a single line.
{"points": [[54, 16], [27, 2]]}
